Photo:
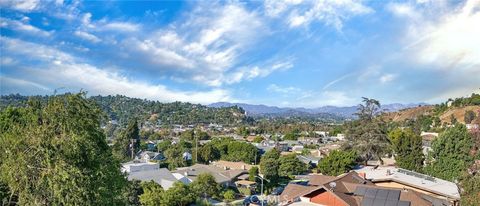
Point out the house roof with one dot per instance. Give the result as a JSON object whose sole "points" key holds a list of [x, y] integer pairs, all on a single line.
{"points": [[412, 179], [232, 165], [293, 191], [319, 179], [161, 176], [353, 190], [218, 173]]}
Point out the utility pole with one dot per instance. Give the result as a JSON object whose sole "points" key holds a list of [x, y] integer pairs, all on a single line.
{"points": [[261, 187], [132, 143]]}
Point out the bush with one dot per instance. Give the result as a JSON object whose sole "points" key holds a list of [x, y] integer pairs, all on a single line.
{"points": [[229, 196]]}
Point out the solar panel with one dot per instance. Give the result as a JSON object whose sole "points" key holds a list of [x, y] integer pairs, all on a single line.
{"points": [[393, 195], [382, 194], [379, 202], [371, 193], [360, 191], [403, 203], [367, 201]]}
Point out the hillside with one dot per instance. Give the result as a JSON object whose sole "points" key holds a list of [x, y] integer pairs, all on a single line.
{"points": [[458, 113], [409, 113], [121, 109], [442, 112], [324, 111]]}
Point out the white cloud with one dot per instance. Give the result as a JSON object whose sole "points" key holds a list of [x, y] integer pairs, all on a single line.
{"points": [[387, 78], [205, 46], [21, 5], [60, 69], [324, 98], [282, 90], [23, 26], [87, 36], [303, 13], [120, 26], [448, 40]]}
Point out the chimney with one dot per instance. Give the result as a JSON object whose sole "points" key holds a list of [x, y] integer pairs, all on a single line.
{"points": [[244, 167], [389, 173]]}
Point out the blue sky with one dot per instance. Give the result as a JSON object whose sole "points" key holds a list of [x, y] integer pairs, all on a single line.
{"points": [[286, 53]]}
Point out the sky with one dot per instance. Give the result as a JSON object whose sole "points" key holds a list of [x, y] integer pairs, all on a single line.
{"points": [[291, 53]]}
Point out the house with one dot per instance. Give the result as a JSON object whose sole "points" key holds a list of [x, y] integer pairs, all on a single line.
{"points": [[351, 189], [228, 165], [393, 177], [162, 176], [223, 176], [297, 148], [309, 160], [138, 165], [147, 155], [187, 156]]}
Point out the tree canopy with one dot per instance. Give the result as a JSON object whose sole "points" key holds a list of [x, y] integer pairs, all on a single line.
{"points": [[55, 153], [407, 147], [451, 153], [337, 162]]}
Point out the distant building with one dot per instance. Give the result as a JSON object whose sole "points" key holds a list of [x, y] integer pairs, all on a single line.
{"points": [[147, 155], [138, 165], [223, 176]]}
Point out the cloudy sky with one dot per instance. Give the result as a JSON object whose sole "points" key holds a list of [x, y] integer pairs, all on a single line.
{"points": [[283, 53]]}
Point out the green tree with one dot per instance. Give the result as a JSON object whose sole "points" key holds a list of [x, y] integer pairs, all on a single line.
{"points": [[269, 165], [252, 172], [291, 165], [241, 151], [290, 136], [451, 153], [132, 192], [367, 135], [408, 149], [229, 196], [470, 190], [174, 156], [123, 147], [188, 135], [179, 194], [337, 162], [205, 186], [469, 116], [152, 194], [201, 135], [208, 153], [55, 153]]}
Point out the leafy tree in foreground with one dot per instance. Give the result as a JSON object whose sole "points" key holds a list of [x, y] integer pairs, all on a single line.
{"points": [[337, 162], [152, 194], [56, 154], [291, 165], [408, 149], [205, 186], [451, 153], [179, 194]]}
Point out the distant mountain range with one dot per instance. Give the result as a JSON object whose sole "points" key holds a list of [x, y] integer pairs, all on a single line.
{"points": [[346, 112]]}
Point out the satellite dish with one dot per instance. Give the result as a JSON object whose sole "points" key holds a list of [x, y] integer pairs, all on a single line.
{"points": [[332, 185]]}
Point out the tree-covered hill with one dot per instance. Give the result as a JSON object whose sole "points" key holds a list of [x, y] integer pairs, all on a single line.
{"points": [[121, 109]]}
